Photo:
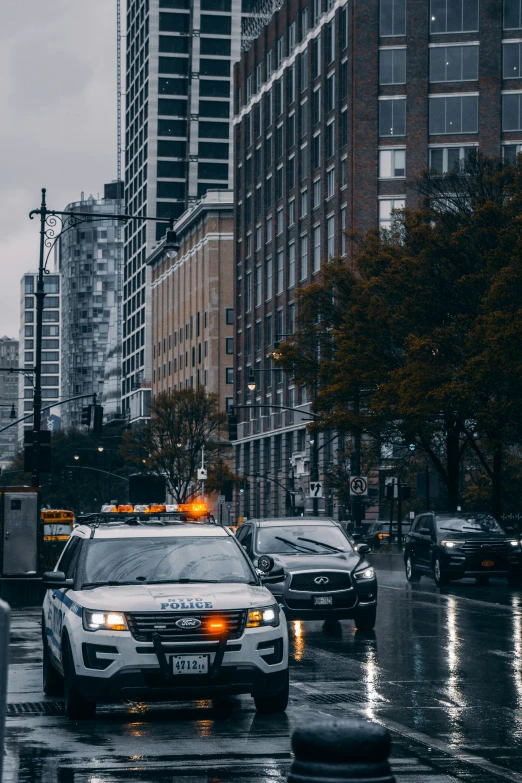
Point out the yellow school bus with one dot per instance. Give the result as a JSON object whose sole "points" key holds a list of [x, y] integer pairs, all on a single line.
{"points": [[57, 523]]}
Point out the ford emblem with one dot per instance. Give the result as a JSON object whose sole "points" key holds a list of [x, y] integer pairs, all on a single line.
{"points": [[188, 622], [321, 580]]}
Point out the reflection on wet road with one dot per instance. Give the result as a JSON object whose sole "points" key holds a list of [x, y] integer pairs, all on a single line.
{"points": [[443, 671]]}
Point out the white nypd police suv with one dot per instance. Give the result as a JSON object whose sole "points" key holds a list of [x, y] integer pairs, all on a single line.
{"points": [[159, 612]]}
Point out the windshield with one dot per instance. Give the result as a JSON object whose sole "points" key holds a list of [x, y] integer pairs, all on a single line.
{"points": [[311, 539], [485, 524], [183, 559]]}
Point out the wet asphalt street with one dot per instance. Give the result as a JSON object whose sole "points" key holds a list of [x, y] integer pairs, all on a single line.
{"points": [[443, 672]]}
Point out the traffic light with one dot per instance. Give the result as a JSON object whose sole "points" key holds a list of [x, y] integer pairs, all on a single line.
{"points": [[232, 426], [86, 415], [353, 465], [97, 425]]}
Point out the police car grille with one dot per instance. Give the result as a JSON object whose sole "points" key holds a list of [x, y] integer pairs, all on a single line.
{"points": [[327, 581], [142, 626]]}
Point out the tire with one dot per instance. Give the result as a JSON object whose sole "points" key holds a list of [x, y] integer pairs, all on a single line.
{"points": [[77, 707], [439, 573], [514, 578], [482, 579], [273, 702], [412, 575], [52, 679], [365, 619]]}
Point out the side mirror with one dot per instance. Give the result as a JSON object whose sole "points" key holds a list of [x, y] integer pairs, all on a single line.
{"points": [[265, 563], [55, 579], [363, 549], [274, 577]]}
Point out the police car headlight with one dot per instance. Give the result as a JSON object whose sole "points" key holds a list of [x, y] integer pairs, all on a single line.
{"points": [[265, 616], [366, 573], [104, 621]]}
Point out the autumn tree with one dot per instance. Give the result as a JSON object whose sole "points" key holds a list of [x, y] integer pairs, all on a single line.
{"points": [[419, 340], [182, 423]]}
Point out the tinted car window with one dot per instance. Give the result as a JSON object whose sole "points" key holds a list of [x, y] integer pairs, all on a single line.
{"points": [[479, 524], [301, 538], [69, 558], [170, 560]]}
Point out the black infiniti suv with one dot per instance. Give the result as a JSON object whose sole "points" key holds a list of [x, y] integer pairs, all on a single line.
{"points": [[455, 545], [325, 578]]}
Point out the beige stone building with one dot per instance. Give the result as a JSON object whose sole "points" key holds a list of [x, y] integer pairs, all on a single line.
{"points": [[193, 302]]}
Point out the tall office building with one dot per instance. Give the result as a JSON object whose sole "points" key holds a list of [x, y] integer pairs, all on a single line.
{"points": [[51, 331], [178, 139], [89, 258], [338, 110], [8, 398]]}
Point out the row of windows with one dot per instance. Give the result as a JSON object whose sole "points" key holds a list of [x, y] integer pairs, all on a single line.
{"points": [[167, 370], [446, 16]]}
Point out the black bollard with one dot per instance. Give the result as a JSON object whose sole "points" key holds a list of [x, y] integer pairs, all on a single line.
{"points": [[347, 750]]}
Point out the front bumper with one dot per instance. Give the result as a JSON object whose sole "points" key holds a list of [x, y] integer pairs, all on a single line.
{"points": [[113, 666], [300, 605]]}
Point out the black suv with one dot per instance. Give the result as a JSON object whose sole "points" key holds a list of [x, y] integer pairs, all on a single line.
{"points": [[325, 577], [454, 545]]}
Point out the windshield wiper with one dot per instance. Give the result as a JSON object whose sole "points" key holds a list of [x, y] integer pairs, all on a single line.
{"points": [[321, 543], [111, 583], [293, 543]]}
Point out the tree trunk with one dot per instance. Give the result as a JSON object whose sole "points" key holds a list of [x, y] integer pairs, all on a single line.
{"points": [[496, 483], [453, 464]]}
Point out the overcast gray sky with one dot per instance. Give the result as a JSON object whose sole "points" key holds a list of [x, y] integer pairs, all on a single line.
{"points": [[57, 121]]}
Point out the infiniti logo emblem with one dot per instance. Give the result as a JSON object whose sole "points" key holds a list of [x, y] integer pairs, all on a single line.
{"points": [[321, 580], [188, 622]]}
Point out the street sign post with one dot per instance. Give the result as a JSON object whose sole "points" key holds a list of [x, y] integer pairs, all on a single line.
{"points": [[221, 499], [359, 486], [316, 489]]}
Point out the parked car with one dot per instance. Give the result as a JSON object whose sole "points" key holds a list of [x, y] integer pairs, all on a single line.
{"points": [[458, 544], [325, 577], [377, 533]]}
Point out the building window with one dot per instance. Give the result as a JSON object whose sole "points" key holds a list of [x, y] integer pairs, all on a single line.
{"points": [[269, 229], [304, 118], [248, 291], [304, 257], [304, 22], [330, 183], [269, 65], [290, 173], [292, 37], [279, 273], [393, 17], [259, 76], [511, 54], [280, 49], [511, 112], [316, 57], [454, 114], [229, 374], [303, 166], [512, 14], [248, 341], [290, 80], [304, 203], [330, 236], [330, 93], [259, 286], [444, 159], [291, 265], [280, 221], [258, 341], [317, 249], [386, 206], [392, 163], [510, 152], [259, 238], [230, 315], [229, 345], [454, 16], [343, 231], [304, 70], [330, 139], [316, 106], [455, 63], [316, 151], [392, 117], [291, 212], [279, 185], [269, 278], [268, 330], [392, 66], [317, 194]]}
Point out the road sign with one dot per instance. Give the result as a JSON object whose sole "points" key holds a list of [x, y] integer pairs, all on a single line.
{"points": [[316, 489], [359, 486], [202, 474], [412, 514], [221, 500]]}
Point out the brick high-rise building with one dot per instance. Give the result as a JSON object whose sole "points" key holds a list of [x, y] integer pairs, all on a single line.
{"points": [[8, 398], [339, 107], [177, 139]]}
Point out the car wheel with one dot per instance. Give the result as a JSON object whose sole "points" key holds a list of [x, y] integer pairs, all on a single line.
{"points": [[52, 679], [77, 707], [514, 578], [482, 579], [273, 702], [412, 575], [439, 573], [365, 619]]}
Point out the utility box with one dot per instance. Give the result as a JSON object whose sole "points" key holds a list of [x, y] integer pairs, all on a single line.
{"points": [[19, 526]]}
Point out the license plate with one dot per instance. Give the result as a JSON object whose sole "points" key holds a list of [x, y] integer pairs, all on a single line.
{"points": [[189, 664], [488, 563], [323, 600]]}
